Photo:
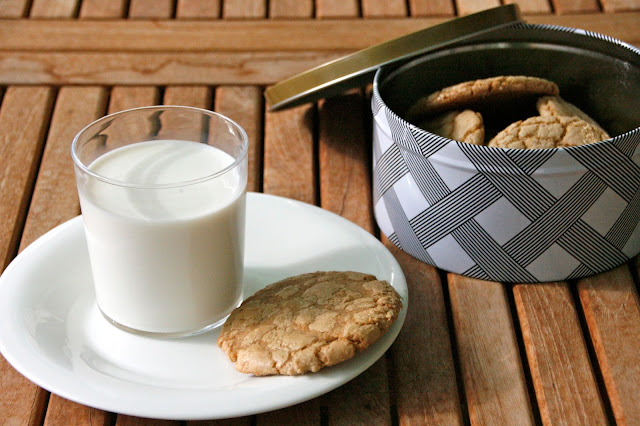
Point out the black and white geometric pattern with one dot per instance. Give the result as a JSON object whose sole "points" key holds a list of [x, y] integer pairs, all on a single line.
{"points": [[506, 215]]}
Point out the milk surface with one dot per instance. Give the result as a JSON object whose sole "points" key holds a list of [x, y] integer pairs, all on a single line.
{"points": [[165, 258]]}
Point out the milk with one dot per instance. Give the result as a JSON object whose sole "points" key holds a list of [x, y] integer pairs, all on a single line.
{"points": [[165, 258]]}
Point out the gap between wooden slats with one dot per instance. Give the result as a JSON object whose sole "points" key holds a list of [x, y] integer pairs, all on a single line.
{"points": [[561, 371], [612, 313], [24, 122], [494, 381]]}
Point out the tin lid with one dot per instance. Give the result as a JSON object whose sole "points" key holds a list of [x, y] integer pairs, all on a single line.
{"points": [[357, 69]]}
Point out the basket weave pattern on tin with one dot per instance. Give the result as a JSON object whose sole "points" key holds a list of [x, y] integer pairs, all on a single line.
{"points": [[585, 222]]}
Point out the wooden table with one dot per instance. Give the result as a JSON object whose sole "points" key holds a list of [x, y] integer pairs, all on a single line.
{"points": [[470, 351]]}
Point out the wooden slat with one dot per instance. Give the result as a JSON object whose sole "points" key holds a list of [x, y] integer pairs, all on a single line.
{"points": [[13, 8], [345, 189], [384, 9], [431, 7], [289, 168], [425, 386], [345, 186], [532, 6], [575, 6], [337, 9], [260, 68], [150, 9], [123, 97], [466, 7], [562, 374], [279, 9], [100, 9], [243, 104], [289, 171], [494, 381], [620, 5], [612, 312], [300, 35], [195, 96], [54, 8], [138, 421], [24, 119], [63, 412], [55, 198], [198, 9], [236, 9]]}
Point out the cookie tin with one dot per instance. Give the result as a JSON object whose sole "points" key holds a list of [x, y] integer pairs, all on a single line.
{"points": [[505, 214]]}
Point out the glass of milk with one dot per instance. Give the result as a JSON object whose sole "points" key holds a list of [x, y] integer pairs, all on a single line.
{"points": [[162, 192]]}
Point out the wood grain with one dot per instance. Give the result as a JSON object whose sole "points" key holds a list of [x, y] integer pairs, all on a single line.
{"points": [[494, 381], [227, 35], [100, 9], [55, 201], [64, 412], [13, 8], [425, 388], [24, 120], [55, 198], [289, 154], [243, 104], [383, 9], [150, 9], [612, 312], [345, 186], [127, 97], [288, 9], [431, 7], [260, 68], [345, 189], [562, 374], [620, 5], [466, 7], [245, 9], [54, 8], [198, 9], [575, 6], [331, 9], [194, 96], [532, 6]]}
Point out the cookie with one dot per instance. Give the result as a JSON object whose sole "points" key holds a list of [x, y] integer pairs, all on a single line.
{"points": [[555, 105], [464, 126], [307, 322], [548, 132], [476, 94]]}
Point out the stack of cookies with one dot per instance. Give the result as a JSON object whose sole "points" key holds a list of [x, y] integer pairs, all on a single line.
{"points": [[460, 112]]}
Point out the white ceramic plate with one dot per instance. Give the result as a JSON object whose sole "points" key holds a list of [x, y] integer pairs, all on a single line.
{"points": [[52, 332]]}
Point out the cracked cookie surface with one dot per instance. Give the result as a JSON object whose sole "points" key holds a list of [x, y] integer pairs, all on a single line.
{"points": [[304, 323], [487, 91], [548, 132], [556, 106], [464, 126]]}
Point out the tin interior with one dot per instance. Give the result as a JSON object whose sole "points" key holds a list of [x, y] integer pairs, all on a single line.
{"points": [[600, 77]]}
